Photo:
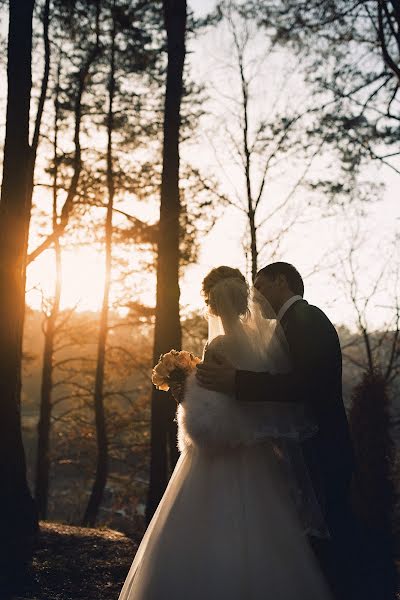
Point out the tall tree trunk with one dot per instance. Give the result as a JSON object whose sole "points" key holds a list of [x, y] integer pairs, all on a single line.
{"points": [[44, 425], [18, 520], [168, 328], [100, 480]]}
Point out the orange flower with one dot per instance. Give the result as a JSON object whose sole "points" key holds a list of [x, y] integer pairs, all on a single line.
{"points": [[173, 360]]}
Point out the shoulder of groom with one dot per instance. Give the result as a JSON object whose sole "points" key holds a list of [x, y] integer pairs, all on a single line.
{"points": [[320, 320], [310, 314]]}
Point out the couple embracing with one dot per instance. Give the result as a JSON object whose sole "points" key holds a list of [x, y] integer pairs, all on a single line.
{"points": [[257, 507]]}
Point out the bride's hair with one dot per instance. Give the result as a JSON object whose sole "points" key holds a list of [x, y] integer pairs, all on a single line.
{"points": [[218, 283]]}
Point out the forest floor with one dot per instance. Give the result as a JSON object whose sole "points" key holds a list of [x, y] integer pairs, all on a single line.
{"points": [[72, 563]]}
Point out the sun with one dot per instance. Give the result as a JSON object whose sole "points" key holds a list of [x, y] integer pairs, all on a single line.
{"points": [[82, 279]]}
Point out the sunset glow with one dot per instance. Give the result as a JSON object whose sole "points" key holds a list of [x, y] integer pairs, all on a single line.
{"points": [[82, 276]]}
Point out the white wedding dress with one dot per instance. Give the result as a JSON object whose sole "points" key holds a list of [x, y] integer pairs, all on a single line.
{"points": [[228, 527]]}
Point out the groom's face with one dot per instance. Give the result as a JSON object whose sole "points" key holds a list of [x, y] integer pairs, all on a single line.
{"points": [[271, 290]]}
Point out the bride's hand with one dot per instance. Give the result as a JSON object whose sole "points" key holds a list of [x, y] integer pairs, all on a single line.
{"points": [[218, 375]]}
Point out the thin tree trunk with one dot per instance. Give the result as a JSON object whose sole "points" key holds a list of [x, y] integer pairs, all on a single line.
{"points": [[251, 205], [100, 480], [43, 92], [168, 328], [59, 226], [44, 425], [253, 244], [18, 521], [77, 159], [38, 122]]}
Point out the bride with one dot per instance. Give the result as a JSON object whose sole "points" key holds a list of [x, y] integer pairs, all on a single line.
{"points": [[233, 522]]}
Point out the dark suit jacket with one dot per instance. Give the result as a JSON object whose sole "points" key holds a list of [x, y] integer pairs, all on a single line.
{"points": [[315, 379]]}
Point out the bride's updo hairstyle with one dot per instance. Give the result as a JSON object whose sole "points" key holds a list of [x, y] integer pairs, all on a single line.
{"points": [[226, 292]]}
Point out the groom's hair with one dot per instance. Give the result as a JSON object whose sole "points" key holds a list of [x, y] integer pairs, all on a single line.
{"points": [[293, 277]]}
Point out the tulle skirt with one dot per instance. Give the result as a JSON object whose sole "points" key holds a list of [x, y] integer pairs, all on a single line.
{"points": [[225, 529]]}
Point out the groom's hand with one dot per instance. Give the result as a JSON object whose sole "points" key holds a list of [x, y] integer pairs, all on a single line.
{"points": [[218, 376]]}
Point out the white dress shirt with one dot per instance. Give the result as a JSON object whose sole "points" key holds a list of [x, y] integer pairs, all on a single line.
{"points": [[287, 305]]}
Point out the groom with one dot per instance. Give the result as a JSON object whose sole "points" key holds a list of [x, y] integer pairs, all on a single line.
{"points": [[315, 379]]}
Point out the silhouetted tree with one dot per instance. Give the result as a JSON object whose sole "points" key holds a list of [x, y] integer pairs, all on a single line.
{"points": [[259, 140], [17, 514], [374, 495], [374, 451], [50, 330], [370, 422], [164, 451], [131, 29], [71, 101], [100, 480], [350, 52], [78, 81]]}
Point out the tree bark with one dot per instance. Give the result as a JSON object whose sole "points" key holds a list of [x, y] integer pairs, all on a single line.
{"points": [[100, 480], [18, 520], [164, 452], [44, 425]]}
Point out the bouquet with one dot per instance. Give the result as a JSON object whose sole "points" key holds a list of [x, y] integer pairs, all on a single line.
{"points": [[173, 368]]}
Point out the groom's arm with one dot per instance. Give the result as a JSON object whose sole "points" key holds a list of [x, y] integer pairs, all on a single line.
{"points": [[259, 387], [310, 344]]}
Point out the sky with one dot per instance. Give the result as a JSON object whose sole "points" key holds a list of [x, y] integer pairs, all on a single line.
{"points": [[319, 246], [316, 247]]}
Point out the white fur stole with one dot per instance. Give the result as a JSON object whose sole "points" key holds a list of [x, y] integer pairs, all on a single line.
{"points": [[210, 419]]}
